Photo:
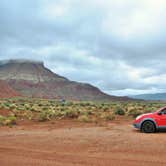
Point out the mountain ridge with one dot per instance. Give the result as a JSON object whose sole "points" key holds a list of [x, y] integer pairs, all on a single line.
{"points": [[153, 96], [32, 79]]}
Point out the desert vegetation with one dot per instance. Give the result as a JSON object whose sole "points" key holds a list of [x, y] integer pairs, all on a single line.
{"points": [[41, 110]]}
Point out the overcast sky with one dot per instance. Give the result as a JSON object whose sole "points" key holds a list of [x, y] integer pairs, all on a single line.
{"points": [[116, 45]]}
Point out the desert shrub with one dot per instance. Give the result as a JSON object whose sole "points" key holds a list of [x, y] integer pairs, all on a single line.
{"points": [[40, 104], [134, 113], [105, 108], [119, 111], [62, 104], [27, 106], [35, 109], [84, 104], [18, 113], [58, 114], [28, 115], [21, 108], [84, 118], [89, 112], [130, 108], [10, 120], [150, 109], [69, 103], [108, 116], [50, 114], [44, 116], [2, 119], [62, 109], [2, 106], [12, 106], [100, 107], [7, 104], [86, 112], [45, 109], [71, 113]]}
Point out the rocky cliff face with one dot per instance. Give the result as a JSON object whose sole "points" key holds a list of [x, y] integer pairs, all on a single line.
{"points": [[33, 79], [7, 91], [32, 71]]}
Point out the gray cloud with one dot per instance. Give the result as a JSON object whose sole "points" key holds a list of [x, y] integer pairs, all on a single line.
{"points": [[117, 46]]}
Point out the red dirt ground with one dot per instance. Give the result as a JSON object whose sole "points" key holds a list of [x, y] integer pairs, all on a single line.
{"points": [[5, 112], [69, 143]]}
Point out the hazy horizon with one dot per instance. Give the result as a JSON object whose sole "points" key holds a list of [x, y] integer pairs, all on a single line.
{"points": [[118, 46]]}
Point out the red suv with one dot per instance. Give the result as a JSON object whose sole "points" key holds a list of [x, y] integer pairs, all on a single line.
{"points": [[150, 122]]}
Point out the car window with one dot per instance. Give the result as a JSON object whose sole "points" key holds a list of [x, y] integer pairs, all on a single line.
{"points": [[164, 111]]}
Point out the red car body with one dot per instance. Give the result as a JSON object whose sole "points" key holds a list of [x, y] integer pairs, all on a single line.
{"points": [[158, 119]]}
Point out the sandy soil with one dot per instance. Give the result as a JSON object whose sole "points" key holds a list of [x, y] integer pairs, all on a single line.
{"points": [[77, 144]]}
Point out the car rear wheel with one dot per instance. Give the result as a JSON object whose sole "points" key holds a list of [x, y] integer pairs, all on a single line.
{"points": [[148, 127]]}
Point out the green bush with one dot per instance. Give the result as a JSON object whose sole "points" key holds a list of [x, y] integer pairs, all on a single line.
{"points": [[119, 111]]}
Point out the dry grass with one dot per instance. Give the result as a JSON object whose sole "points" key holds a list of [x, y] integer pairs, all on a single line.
{"points": [[45, 110]]}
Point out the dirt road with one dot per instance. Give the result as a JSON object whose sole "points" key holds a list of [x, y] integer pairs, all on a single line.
{"points": [[77, 144]]}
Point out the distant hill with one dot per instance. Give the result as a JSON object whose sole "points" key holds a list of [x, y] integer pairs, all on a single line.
{"points": [[33, 79], [7, 91], [156, 96]]}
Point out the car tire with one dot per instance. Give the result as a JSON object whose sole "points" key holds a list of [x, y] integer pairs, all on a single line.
{"points": [[148, 127]]}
